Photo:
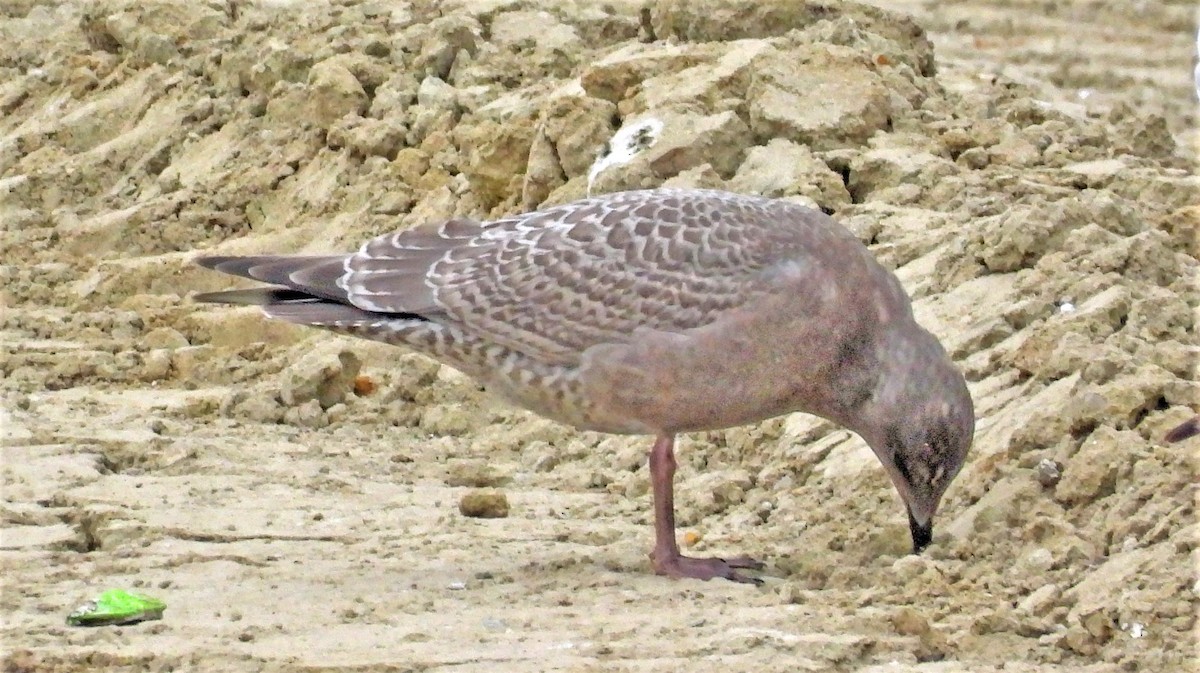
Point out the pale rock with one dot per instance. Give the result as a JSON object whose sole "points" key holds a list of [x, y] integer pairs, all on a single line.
{"points": [[782, 168], [323, 376], [334, 92], [854, 101]]}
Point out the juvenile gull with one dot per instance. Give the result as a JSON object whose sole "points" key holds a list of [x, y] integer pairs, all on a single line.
{"points": [[654, 312]]}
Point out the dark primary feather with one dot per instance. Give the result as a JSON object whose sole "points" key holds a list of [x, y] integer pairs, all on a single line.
{"points": [[258, 296], [310, 294], [315, 275]]}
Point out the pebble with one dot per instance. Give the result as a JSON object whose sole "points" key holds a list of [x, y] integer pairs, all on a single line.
{"points": [[484, 505], [1048, 473]]}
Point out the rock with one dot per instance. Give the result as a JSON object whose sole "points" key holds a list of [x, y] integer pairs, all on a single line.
{"points": [[541, 457], [782, 168], [576, 126], [484, 505], [614, 77], [1023, 234], [274, 62], [1067, 342], [151, 29], [914, 568], [156, 365], [854, 101], [1047, 472], [164, 337], [998, 509], [451, 420], [1040, 601], [875, 172], [721, 21], [367, 137], [908, 622], [442, 42], [435, 94], [688, 141], [307, 415], [1145, 132], [543, 172], [892, 539], [261, 408], [713, 492], [1092, 472], [1037, 562], [1013, 150], [395, 97], [321, 376], [700, 177], [334, 92], [190, 363], [932, 645], [523, 29], [718, 82], [495, 155], [1183, 225]]}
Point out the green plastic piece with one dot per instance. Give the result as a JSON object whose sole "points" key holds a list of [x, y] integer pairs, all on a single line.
{"points": [[117, 607]]}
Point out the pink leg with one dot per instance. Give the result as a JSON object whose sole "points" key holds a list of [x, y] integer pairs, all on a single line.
{"points": [[666, 557]]}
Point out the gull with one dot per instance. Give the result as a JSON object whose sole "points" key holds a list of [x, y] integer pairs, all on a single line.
{"points": [[654, 312]]}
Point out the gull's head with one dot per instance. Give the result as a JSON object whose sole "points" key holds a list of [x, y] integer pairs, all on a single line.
{"points": [[925, 428]]}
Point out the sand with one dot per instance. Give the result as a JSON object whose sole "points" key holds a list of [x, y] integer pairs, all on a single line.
{"points": [[297, 498]]}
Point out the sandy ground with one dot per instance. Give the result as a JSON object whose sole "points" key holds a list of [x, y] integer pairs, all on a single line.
{"points": [[294, 496]]}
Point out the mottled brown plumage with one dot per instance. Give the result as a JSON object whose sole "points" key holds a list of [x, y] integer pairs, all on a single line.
{"points": [[655, 312]]}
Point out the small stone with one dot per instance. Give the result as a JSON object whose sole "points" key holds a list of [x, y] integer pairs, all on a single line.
{"points": [[164, 337], [484, 505], [1047, 473], [910, 567], [448, 420], [493, 624], [334, 92], [1036, 562], [1040, 601], [307, 415], [792, 593], [188, 364], [258, 407], [932, 645], [156, 365], [1098, 624], [337, 413], [323, 377], [909, 622], [545, 462], [974, 158]]}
